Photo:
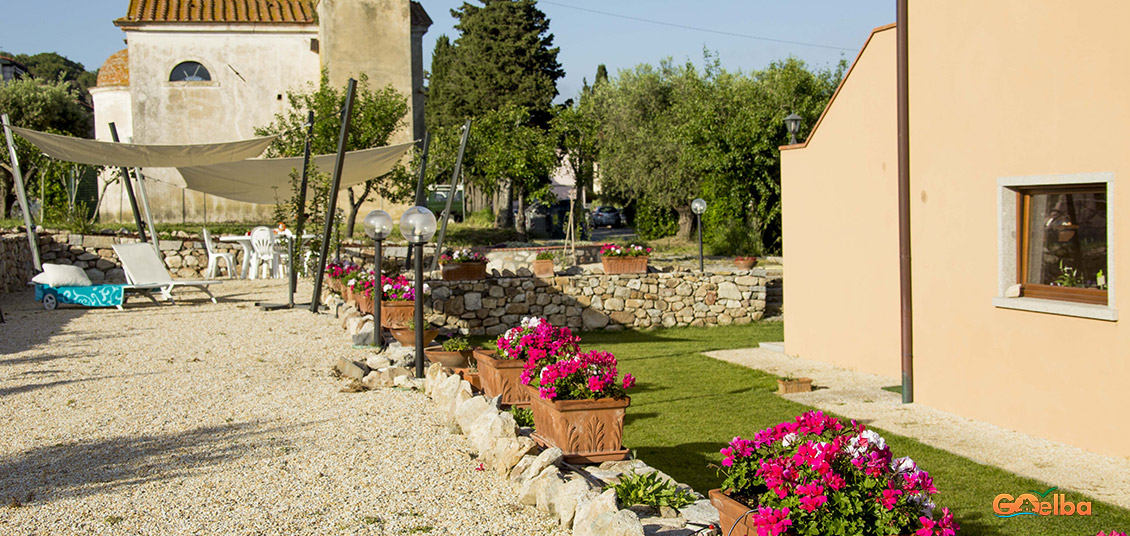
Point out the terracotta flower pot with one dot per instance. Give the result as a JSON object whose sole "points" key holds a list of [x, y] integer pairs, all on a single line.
{"points": [[464, 271], [364, 303], [472, 378], [730, 514], [334, 285], [457, 359], [745, 264], [348, 294], [502, 377], [799, 385], [543, 268], [587, 431], [396, 313], [624, 265], [407, 337]]}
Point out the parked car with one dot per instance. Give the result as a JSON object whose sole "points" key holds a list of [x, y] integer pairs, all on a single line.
{"points": [[437, 202], [607, 215]]}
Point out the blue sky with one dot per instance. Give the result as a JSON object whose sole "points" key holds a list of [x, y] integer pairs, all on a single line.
{"points": [[589, 32]]}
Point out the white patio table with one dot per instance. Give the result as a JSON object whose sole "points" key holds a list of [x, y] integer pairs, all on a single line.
{"points": [[244, 242]]}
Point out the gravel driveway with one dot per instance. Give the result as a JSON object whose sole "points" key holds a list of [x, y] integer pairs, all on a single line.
{"points": [[204, 418]]}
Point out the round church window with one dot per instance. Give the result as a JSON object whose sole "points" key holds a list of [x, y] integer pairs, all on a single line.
{"points": [[190, 71]]}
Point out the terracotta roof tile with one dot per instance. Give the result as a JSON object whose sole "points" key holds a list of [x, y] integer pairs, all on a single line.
{"points": [[225, 11], [115, 72]]}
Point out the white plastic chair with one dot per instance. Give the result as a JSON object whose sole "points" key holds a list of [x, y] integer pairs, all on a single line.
{"points": [[215, 256], [263, 254]]}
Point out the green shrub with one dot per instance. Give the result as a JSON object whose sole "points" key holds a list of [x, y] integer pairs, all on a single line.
{"points": [[650, 489], [456, 344], [522, 416], [655, 222]]}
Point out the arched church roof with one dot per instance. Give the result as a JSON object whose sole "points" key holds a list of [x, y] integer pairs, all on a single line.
{"points": [[115, 71]]}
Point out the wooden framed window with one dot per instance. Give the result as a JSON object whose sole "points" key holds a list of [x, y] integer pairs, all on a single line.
{"points": [[1062, 246]]}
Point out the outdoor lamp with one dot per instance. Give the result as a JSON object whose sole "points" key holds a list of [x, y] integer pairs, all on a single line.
{"points": [[378, 225], [792, 123], [418, 225], [698, 206]]}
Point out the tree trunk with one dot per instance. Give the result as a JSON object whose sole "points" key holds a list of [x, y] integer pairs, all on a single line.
{"points": [[520, 220], [503, 219], [354, 206], [686, 222], [3, 198]]}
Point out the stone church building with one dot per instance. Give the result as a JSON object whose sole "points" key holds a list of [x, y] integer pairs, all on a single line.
{"points": [[203, 71]]}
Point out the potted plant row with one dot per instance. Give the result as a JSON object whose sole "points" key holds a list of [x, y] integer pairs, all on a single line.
{"points": [[398, 300], [819, 475], [463, 265], [336, 274], [630, 259], [578, 400]]}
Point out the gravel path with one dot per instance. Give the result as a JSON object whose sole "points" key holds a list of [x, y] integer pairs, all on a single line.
{"points": [[206, 418], [860, 396]]}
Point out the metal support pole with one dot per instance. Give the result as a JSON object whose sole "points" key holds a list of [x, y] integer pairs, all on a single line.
{"points": [[347, 113], [698, 217], [378, 294], [300, 217], [21, 194], [905, 287], [420, 184], [148, 213], [419, 308], [450, 194], [128, 185]]}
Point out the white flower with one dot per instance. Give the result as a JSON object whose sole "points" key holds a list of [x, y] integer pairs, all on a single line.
{"points": [[903, 465], [388, 287], [788, 440], [531, 322], [874, 439], [427, 289]]}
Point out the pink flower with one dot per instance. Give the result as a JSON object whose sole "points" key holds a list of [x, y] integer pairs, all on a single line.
{"points": [[771, 522], [943, 527], [890, 498], [812, 496]]}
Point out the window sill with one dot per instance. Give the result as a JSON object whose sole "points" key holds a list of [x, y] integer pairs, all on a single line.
{"points": [[1055, 307]]}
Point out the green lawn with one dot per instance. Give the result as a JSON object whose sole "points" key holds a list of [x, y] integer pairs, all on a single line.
{"points": [[686, 406]]}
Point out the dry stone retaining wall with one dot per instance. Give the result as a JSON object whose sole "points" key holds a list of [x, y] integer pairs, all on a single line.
{"points": [[597, 301]]}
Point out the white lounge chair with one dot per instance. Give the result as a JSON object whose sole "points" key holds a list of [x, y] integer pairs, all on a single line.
{"points": [[144, 267]]}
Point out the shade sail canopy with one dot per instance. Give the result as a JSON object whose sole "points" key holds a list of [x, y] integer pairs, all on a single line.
{"points": [[267, 181], [104, 153]]}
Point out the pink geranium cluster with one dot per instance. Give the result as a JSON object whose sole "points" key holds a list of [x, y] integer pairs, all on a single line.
{"points": [[821, 473], [1111, 533], [631, 250], [586, 375], [555, 365], [538, 343], [338, 270], [398, 288]]}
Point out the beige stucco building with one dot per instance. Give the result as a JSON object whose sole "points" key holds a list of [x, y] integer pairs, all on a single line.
{"points": [[212, 70], [1018, 116]]}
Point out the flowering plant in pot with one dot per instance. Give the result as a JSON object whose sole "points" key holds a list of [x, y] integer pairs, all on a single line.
{"points": [[543, 263], [579, 402], [745, 263], [817, 475], [630, 259], [463, 265], [361, 286], [398, 300], [521, 352], [336, 272]]}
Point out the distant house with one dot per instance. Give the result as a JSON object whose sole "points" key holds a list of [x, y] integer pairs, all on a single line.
{"points": [[1018, 167], [198, 72], [11, 69]]}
